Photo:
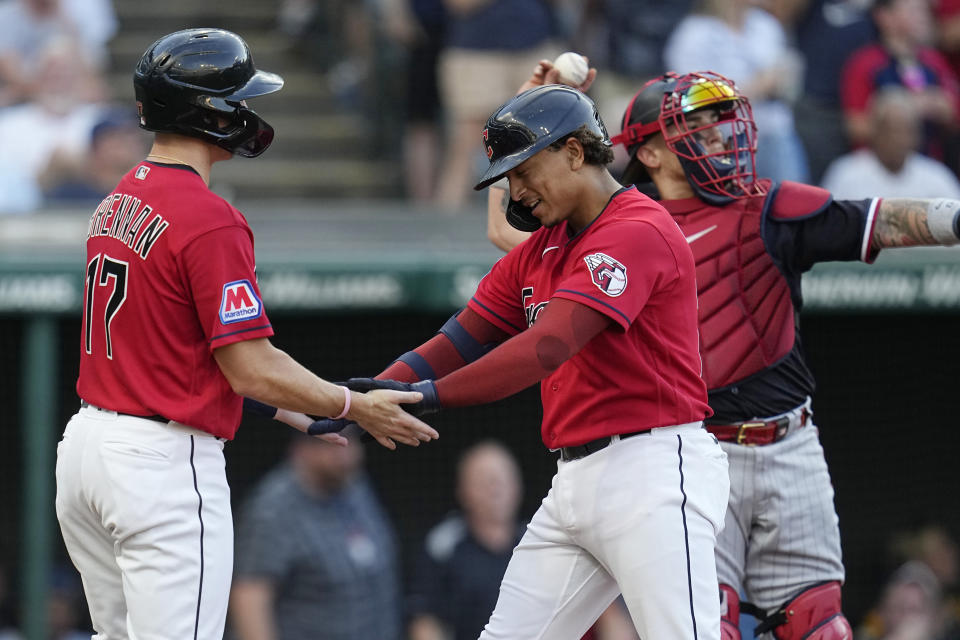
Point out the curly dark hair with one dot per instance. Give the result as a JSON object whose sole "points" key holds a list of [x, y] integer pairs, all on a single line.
{"points": [[595, 151]]}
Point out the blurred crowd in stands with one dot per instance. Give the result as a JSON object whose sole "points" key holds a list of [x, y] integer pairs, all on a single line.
{"points": [[865, 89], [862, 96], [62, 137]]}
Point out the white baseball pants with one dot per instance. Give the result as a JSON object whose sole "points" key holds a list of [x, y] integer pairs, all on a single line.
{"points": [[144, 508], [639, 517]]}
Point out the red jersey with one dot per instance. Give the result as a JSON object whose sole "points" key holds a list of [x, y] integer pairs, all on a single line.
{"points": [[170, 277], [633, 265]]}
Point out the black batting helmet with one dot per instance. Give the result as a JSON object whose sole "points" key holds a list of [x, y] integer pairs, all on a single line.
{"points": [[661, 107], [191, 81], [529, 123]]}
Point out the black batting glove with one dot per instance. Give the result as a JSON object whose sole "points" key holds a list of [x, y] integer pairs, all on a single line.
{"points": [[328, 425], [429, 404]]}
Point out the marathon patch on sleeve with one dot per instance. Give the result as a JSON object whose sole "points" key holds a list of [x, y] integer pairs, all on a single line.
{"points": [[239, 302], [608, 274]]}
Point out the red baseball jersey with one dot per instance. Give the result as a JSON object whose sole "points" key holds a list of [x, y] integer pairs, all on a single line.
{"points": [[170, 277], [633, 265]]}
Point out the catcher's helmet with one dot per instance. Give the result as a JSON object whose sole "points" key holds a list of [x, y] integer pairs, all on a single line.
{"points": [[662, 105], [529, 123], [191, 81]]}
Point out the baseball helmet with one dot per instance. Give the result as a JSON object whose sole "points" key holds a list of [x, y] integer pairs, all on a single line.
{"points": [[661, 107], [529, 123], [195, 82]]}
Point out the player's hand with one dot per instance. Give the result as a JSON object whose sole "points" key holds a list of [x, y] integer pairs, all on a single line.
{"points": [[429, 403], [544, 73], [382, 414]]}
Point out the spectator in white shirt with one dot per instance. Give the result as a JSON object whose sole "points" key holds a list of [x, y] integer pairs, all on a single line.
{"points": [[890, 166]]}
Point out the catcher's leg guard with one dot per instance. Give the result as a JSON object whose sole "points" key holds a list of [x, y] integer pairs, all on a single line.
{"points": [[814, 614], [729, 613]]}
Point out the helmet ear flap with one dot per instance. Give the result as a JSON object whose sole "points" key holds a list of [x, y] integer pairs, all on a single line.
{"points": [[521, 217]]}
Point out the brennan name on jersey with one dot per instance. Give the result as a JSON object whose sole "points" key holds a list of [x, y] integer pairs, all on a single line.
{"points": [[122, 217]]}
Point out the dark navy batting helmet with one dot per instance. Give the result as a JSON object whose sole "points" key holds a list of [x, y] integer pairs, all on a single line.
{"points": [[529, 123], [195, 83], [662, 106]]}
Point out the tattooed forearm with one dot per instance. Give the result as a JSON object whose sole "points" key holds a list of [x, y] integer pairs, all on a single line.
{"points": [[902, 222]]}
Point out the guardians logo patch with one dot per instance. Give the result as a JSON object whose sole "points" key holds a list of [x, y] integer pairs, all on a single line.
{"points": [[608, 274]]}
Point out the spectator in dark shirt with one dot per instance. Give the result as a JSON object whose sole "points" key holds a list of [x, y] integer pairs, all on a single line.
{"points": [[826, 33], [315, 554], [458, 576], [116, 143]]}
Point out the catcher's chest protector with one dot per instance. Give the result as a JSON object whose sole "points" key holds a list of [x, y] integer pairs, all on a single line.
{"points": [[746, 315]]}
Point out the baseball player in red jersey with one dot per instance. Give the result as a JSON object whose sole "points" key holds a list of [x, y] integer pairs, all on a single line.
{"points": [[600, 308], [691, 141], [174, 333]]}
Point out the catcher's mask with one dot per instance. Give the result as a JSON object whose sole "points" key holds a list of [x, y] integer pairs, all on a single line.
{"points": [[664, 105], [195, 82], [529, 123]]}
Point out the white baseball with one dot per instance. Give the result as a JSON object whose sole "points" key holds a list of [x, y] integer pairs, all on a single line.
{"points": [[572, 67]]}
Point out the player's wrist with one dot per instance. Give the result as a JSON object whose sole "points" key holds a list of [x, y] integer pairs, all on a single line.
{"points": [[943, 220], [431, 397], [347, 403]]}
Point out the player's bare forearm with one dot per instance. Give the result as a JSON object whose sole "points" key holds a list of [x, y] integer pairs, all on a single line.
{"points": [[258, 370], [499, 231], [905, 222]]}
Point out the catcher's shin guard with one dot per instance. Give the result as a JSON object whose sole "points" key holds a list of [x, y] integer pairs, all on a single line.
{"points": [[729, 613], [813, 614]]}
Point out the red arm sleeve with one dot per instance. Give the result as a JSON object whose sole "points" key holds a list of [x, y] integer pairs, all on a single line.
{"points": [[440, 353], [561, 330]]}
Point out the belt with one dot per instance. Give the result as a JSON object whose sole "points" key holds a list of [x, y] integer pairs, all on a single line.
{"points": [[573, 453], [86, 405], [761, 432]]}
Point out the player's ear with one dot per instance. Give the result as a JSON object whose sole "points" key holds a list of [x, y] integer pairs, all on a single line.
{"points": [[650, 155], [575, 154]]}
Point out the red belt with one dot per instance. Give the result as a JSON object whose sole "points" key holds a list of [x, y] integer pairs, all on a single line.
{"points": [[757, 432]]}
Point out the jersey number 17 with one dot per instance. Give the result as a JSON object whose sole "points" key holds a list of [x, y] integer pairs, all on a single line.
{"points": [[108, 269]]}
